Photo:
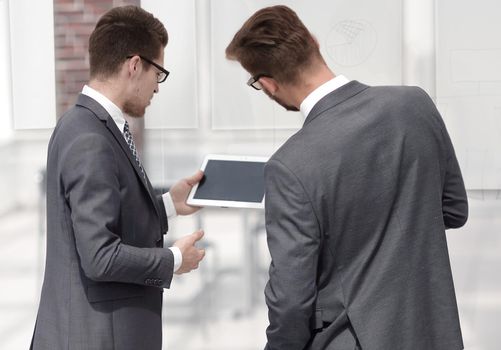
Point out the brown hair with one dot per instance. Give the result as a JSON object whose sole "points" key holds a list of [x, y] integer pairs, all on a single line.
{"points": [[274, 42], [124, 31]]}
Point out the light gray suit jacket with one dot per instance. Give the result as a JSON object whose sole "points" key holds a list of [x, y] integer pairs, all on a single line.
{"points": [[357, 203], [105, 266]]}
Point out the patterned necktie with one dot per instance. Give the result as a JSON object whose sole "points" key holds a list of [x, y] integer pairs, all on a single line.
{"points": [[132, 146]]}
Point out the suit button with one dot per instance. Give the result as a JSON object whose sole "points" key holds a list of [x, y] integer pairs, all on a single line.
{"points": [[147, 281]]}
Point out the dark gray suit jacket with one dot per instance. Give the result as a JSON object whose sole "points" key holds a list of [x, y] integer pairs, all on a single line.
{"points": [[357, 203], [105, 265]]}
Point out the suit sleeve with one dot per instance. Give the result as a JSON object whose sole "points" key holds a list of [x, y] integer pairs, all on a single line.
{"points": [[91, 183], [454, 198], [293, 240]]}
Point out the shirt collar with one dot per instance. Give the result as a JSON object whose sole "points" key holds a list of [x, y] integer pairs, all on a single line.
{"points": [[316, 95], [112, 109]]}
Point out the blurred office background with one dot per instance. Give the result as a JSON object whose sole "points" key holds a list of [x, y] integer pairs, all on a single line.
{"points": [[451, 48]]}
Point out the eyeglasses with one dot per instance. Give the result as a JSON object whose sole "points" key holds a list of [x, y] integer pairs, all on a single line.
{"points": [[254, 81], [162, 75]]}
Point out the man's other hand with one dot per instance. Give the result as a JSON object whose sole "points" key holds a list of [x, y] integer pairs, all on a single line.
{"points": [[191, 254]]}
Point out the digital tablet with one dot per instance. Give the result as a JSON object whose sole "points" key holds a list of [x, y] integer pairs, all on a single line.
{"points": [[230, 181]]}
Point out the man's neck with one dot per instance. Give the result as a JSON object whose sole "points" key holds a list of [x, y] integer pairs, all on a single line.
{"points": [[110, 90], [310, 82]]}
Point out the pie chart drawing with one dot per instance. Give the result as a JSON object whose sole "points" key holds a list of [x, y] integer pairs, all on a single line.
{"points": [[351, 42]]}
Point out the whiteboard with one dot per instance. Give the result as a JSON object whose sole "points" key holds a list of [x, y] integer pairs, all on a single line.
{"points": [[175, 105], [361, 39], [469, 86]]}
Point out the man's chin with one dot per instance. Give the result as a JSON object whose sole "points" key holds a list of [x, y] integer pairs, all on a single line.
{"points": [[134, 112], [284, 105], [287, 107], [290, 108]]}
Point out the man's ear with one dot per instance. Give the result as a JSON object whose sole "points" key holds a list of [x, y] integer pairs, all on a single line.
{"points": [[269, 84], [133, 65]]}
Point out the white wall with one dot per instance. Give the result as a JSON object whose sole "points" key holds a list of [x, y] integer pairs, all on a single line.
{"points": [[175, 106], [32, 63], [469, 85], [418, 44], [5, 80]]}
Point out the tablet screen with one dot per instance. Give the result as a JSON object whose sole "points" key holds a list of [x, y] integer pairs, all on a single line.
{"points": [[225, 180]]}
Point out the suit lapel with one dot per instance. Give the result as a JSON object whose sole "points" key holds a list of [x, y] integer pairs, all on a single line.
{"points": [[100, 112], [334, 98]]}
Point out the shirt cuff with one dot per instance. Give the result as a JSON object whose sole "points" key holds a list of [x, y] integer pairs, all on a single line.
{"points": [[178, 257], [170, 209]]}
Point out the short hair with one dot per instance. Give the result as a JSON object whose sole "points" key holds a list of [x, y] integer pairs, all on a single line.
{"points": [[275, 42], [121, 32]]}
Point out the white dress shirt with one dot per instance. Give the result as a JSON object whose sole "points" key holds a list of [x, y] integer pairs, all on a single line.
{"points": [[323, 90], [117, 116]]}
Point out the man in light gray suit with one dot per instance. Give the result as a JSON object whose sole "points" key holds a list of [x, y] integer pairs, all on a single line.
{"points": [[106, 266], [357, 203]]}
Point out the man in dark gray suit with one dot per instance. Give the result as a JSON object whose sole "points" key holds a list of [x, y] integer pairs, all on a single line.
{"points": [[106, 266], [357, 203]]}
